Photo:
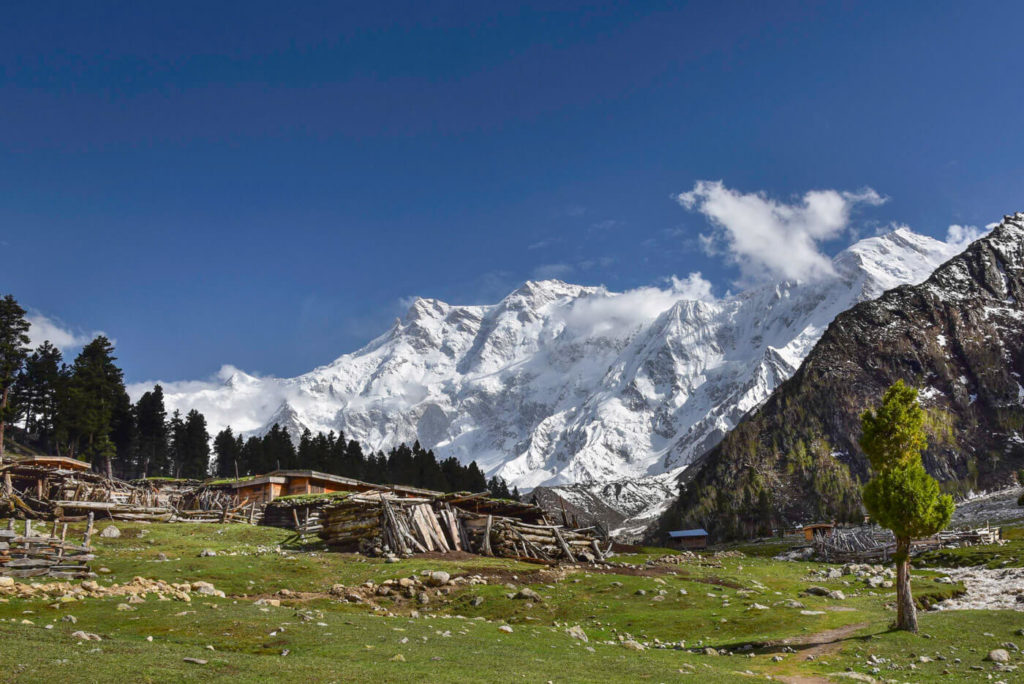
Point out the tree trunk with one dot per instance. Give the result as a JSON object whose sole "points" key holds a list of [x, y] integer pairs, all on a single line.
{"points": [[906, 612], [3, 424]]}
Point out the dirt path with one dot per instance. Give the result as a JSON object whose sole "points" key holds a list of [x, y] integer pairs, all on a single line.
{"points": [[818, 645]]}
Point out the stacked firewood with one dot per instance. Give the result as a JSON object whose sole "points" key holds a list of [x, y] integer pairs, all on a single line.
{"points": [[512, 538], [29, 554], [302, 514], [387, 523]]}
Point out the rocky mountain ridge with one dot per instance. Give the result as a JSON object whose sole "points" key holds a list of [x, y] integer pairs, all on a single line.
{"points": [[562, 384], [958, 337]]}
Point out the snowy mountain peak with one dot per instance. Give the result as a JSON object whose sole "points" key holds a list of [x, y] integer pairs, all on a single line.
{"points": [[560, 383]]}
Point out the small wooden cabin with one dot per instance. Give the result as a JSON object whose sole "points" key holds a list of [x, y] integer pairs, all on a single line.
{"points": [[818, 530], [688, 539], [265, 488], [54, 463]]}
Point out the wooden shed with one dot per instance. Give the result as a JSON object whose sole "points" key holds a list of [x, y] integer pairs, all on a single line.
{"points": [[688, 539], [818, 530], [265, 488]]}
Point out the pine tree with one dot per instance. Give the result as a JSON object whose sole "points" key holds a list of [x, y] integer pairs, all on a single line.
{"points": [[39, 389], [475, 479], [13, 352], [499, 488], [901, 495], [278, 450], [195, 461], [227, 451], [153, 457], [177, 444], [252, 460], [96, 403]]}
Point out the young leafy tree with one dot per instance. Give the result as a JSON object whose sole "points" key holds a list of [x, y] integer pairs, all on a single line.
{"points": [[901, 496], [13, 352]]}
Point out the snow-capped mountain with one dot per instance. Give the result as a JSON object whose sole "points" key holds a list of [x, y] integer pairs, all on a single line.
{"points": [[561, 383], [958, 338]]}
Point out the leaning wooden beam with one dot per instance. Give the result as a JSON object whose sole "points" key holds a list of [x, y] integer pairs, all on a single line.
{"points": [[487, 538], [565, 547]]}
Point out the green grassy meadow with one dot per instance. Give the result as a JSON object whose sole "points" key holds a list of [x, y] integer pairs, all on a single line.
{"points": [[735, 604]]}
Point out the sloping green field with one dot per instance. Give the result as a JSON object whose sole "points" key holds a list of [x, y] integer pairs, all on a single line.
{"points": [[736, 605]]}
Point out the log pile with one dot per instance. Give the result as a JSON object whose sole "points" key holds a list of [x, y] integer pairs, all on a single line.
{"points": [[302, 513], [28, 554], [512, 538], [34, 492], [212, 505], [874, 544], [383, 523], [38, 492]]}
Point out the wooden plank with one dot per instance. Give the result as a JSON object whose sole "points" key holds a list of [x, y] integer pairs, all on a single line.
{"points": [[487, 538], [435, 527]]}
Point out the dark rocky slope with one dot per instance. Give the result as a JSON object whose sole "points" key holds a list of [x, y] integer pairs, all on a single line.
{"points": [[958, 337]]}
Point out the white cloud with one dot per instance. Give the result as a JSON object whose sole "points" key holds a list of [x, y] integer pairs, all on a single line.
{"points": [[769, 239], [43, 328], [961, 236], [620, 314], [231, 397]]}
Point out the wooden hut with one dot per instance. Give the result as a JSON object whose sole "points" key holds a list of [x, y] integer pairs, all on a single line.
{"points": [[818, 530], [266, 488], [688, 539]]}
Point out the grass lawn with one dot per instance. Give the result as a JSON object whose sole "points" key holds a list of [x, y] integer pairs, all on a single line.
{"points": [[314, 636]]}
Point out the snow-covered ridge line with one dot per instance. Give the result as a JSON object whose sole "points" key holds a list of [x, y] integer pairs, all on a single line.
{"points": [[560, 383]]}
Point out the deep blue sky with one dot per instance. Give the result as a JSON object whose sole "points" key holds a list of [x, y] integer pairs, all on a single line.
{"points": [[262, 183]]}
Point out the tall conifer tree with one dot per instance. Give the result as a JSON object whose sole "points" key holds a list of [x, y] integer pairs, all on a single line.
{"points": [[13, 351]]}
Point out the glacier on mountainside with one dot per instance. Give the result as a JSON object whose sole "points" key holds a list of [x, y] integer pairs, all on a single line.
{"points": [[559, 383]]}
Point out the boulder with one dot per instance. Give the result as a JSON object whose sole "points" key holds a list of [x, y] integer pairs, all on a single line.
{"points": [[576, 632], [110, 532], [529, 594], [438, 578]]}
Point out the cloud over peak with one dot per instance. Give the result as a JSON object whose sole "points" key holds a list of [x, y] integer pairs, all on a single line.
{"points": [[43, 328], [769, 239]]}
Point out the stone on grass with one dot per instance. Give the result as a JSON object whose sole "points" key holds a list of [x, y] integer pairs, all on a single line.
{"points": [[527, 593], [110, 532], [438, 578], [507, 629], [998, 655], [633, 645], [206, 553], [86, 636], [576, 632]]}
